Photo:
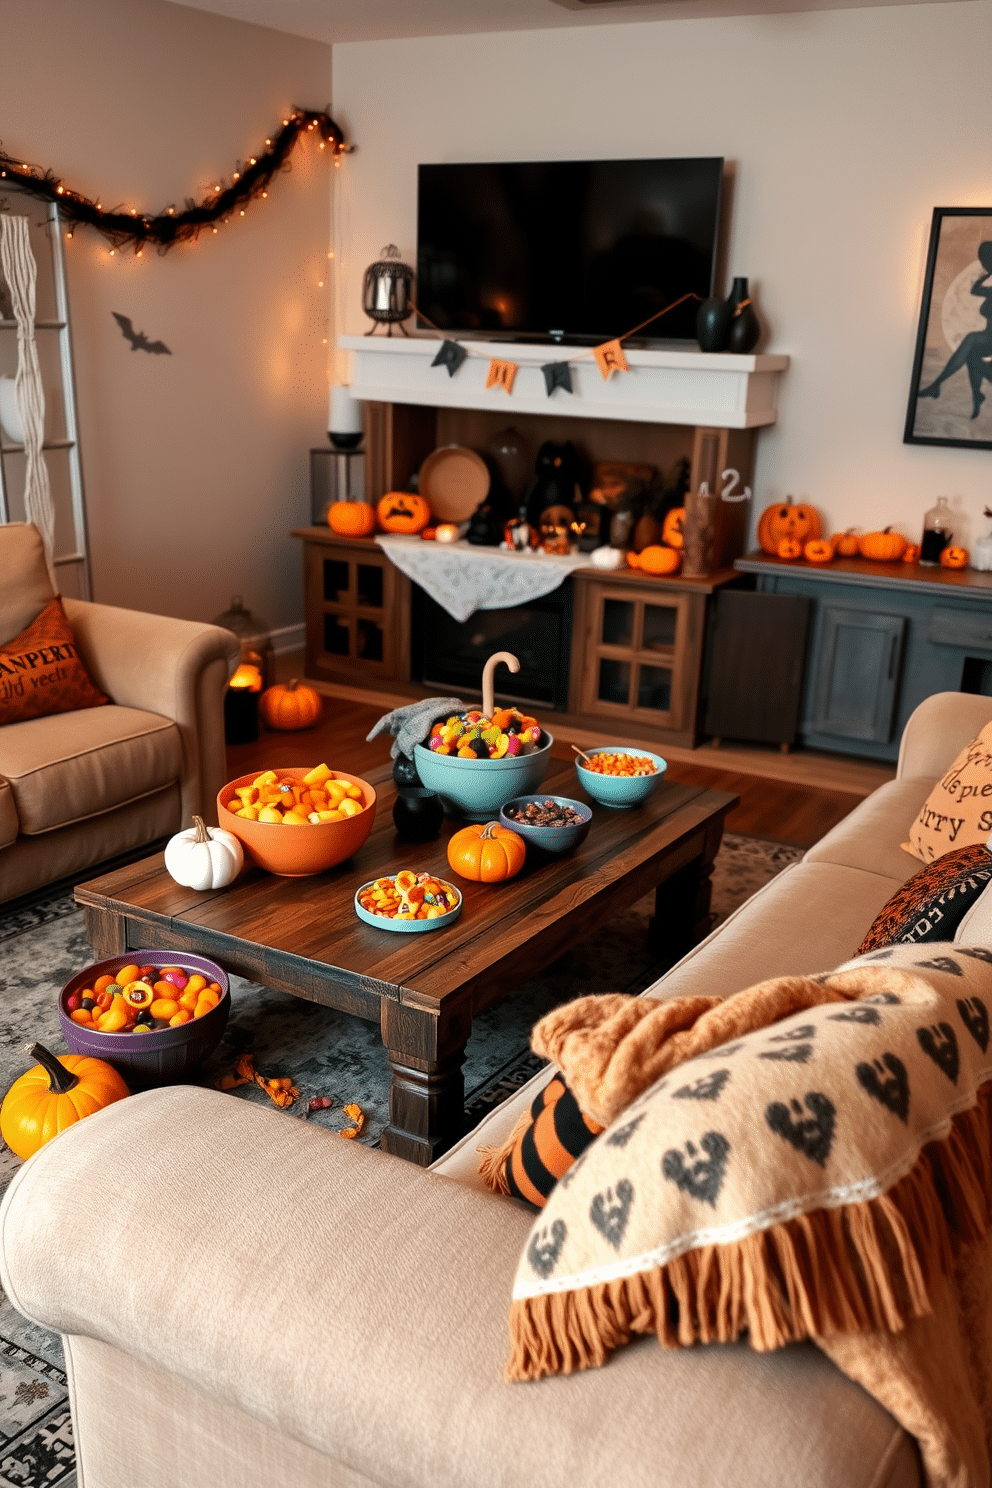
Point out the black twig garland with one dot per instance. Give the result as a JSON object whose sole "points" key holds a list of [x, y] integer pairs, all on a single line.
{"points": [[164, 230]]}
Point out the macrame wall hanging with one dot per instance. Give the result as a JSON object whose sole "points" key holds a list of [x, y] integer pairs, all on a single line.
{"points": [[21, 274]]}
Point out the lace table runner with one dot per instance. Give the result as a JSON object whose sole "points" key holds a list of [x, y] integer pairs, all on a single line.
{"points": [[462, 578]]}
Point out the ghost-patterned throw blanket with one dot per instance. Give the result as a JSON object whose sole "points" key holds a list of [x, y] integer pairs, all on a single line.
{"points": [[820, 1174]]}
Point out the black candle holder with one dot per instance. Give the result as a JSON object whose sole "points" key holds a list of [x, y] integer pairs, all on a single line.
{"points": [[240, 716]]}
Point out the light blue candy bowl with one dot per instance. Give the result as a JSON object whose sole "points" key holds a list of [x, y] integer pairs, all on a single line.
{"points": [[554, 840], [620, 790], [477, 789]]}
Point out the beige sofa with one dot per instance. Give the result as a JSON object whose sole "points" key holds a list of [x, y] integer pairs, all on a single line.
{"points": [[245, 1298], [79, 788]]}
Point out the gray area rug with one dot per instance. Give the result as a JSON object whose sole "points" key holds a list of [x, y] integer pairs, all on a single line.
{"points": [[326, 1053]]}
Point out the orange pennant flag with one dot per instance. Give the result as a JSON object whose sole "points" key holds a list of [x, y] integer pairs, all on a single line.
{"points": [[501, 374], [610, 359]]}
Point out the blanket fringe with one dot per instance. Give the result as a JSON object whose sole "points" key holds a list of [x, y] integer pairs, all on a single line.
{"points": [[858, 1268], [493, 1160]]}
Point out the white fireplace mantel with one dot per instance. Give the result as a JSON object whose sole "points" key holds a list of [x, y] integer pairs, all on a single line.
{"points": [[662, 387]]}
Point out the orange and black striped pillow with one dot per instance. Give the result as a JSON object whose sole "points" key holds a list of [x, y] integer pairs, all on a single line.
{"points": [[545, 1148]]}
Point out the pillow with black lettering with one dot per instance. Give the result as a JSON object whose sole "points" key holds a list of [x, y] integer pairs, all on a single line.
{"points": [[958, 811], [936, 903], [41, 671]]}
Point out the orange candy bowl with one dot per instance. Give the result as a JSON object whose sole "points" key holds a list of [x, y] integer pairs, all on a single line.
{"points": [[298, 852]]}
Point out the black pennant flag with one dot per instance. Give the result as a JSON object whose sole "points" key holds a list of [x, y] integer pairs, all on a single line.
{"points": [[450, 355], [557, 375]]}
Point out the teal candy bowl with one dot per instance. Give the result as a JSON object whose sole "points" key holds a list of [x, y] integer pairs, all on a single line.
{"points": [[407, 927], [477, 789], [553, 840], [620, 790]]}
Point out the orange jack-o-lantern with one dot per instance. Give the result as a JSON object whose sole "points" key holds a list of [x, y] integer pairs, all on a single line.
{"points": [[912, 554], [673, 527], [845, 543], [819, 550], [954, 557], [789, 547], [401, 511], [788, 519]]}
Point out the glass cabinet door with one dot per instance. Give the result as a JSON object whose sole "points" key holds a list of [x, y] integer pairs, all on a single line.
{"points": [[633, 663]]}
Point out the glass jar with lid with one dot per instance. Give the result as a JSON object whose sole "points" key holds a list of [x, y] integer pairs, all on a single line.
{"points": [[938, 529]]}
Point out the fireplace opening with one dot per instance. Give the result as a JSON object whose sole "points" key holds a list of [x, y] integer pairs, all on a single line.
{"points": [[451, 654]]}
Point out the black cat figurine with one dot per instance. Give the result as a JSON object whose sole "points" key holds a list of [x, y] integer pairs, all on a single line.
{"points": [[559, 469]]}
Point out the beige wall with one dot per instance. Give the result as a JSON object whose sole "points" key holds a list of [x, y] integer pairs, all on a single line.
{"points": [[195, 464], [846, 128]]}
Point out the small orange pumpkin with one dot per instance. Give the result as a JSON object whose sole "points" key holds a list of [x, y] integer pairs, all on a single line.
{"points": [[488, 854], [657, 559], [294, 706], [402, 511], [794, 520], [883, 547], [954, 557], [912, 554], [351, 518], [633, 559], [789, 547], [819, 550], [846, 543], [673, 527]]}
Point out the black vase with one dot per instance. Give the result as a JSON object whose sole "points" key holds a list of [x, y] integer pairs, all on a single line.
{"points": [[713, 323], [418, 814], [745, 328], [405, 771]]}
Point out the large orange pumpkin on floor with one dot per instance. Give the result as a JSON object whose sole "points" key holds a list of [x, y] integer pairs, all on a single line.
{"points": [[487, 854], [294, 706], [883, 547], [402, 511], [55, 1094], [351, 518], [787, 519]]}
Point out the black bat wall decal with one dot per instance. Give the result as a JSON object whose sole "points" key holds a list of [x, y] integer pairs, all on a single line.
{"points": [[139, 341]]}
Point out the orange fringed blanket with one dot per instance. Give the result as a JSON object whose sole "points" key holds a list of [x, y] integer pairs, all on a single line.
{"points": [[808, 1159]]}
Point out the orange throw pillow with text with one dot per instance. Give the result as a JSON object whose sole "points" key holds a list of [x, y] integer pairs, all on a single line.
{"points": [[41, 671], [958, 811]]}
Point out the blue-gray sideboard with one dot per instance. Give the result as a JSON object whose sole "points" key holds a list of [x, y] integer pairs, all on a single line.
{"points": [[882, 637]]}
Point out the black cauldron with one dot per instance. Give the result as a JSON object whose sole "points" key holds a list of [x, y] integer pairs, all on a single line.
{"points": [[417, 814]]}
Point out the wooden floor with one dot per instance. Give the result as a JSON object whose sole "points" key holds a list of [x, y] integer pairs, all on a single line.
{"points": [[781, 810]]}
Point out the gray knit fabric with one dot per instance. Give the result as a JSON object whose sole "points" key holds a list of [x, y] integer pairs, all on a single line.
{"points": [[411, 724]]}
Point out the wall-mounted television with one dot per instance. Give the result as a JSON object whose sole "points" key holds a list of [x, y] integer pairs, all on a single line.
{"points": [[571, 250]]}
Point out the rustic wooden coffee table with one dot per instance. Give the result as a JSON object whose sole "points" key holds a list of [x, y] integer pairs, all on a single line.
{"points": [[302, 936]]}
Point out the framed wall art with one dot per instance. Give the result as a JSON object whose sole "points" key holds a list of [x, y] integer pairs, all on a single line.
{"points": [[950, 398]]}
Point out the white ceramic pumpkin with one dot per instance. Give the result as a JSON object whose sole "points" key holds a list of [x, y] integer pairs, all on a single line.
{"points": [[204, 857]]}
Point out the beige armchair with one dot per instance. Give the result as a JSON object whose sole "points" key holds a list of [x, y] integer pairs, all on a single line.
{"points": [[77, 789]]}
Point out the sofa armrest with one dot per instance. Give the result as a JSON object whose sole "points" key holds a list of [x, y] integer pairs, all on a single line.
{"points": [[938, 729], [176, 668]]}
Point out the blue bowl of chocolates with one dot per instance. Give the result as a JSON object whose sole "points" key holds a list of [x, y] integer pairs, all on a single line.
{"points": [[476, 763]]}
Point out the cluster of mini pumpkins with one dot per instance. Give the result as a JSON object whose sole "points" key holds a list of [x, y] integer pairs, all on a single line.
{"points": [[398, 511], [791, 530], [664, 557]]}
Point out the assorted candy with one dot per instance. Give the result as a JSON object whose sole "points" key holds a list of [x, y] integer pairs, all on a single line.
{"points": [[281, 799], [619, 764], [474, 736], [409, 896], [547, 813], [140, 999]]}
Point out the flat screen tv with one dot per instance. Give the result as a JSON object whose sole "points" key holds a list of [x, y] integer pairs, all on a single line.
{"points": [[568, 250]]}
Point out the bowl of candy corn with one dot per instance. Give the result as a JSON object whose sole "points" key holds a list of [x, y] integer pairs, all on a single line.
{"points": [[298, 821], [476, 762], [408, 902], [619, 774]]}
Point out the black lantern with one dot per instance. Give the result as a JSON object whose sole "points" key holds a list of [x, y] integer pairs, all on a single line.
{"points": [[253, 672], [386, 291]]}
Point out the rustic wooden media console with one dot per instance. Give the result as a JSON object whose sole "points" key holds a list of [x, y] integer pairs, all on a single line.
{"points": [[638, 642]]}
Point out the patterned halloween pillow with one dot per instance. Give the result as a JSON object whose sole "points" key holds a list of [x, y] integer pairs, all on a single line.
{"points": [[958, 811], [813, 1176], [41, 671], [938, 903]]}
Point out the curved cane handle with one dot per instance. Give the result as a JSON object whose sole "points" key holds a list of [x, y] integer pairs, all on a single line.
{"points": [[487, 677]]}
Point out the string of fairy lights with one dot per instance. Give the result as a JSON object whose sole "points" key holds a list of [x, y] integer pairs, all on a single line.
{"points": [[125, 227]]}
